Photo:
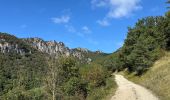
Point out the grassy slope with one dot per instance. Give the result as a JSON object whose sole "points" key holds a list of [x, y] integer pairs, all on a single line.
{"points": [[157, 79]]}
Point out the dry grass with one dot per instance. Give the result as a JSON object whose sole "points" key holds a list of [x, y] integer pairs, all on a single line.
{"points": [[157, 79]]}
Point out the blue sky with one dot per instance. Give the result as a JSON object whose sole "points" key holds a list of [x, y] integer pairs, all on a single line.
{"points": [[93, 24]]}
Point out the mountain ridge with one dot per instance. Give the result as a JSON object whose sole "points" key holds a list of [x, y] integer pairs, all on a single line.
{"points": [[10, 43]]}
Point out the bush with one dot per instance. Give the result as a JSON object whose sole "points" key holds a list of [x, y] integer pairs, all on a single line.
{"points": [[94, 74], [101, 93], [74, 87], [20, 93], [70, 67]]}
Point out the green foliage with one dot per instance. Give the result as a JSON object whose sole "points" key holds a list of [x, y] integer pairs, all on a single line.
{"points": [[75, 87], [114, 62], [101, 93], [35, 76], [158, 75], [94, 74], [19, 93], [70, 67], [20, 70], [16, 70], [144, 44], [145, 49]]}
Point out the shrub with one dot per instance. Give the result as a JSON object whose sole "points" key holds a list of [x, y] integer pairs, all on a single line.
{"points": [[74, 87], [94, 74]]}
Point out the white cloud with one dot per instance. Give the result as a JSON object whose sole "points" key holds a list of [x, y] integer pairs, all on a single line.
{"points": [[70, 28], [86, 30], [83, 32], [116, 8], [103, 22], [99, 3], [62, 19], [122, 8]]}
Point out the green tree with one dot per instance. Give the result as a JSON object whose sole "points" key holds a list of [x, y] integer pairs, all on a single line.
{"points": [[94, 74], [76, 87], [143, 45], [69, 67]]}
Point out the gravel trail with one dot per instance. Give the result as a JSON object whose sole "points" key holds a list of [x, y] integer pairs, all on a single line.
{"points": [[128, 90]]}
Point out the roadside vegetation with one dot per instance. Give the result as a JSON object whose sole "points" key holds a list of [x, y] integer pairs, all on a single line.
{"points": [[145, 57], [105, 92], [145, 43], [157, 79], [156, 74]]}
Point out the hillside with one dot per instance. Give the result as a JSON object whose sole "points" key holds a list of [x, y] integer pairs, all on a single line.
{"points": [[144, 44], [22, 67], [34, 69], [144, 56], [157, 78]]}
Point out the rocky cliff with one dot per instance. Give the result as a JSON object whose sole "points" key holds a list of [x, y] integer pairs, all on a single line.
{"points": [[12, 44], [55, 48]]}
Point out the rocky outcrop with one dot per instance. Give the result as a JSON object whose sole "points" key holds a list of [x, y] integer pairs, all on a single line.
{"points": [[50, 47], [12, 44], [55, 48], [6, 47]]}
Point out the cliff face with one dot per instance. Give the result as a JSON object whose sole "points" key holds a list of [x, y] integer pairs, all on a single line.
{"points": [[50, 47], [12, 44], [55, 48]]}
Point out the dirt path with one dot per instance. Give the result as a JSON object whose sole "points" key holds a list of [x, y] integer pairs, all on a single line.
{"points": [[129, 91]]}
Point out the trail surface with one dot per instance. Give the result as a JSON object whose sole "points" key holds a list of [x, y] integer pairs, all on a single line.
{"points": [[128, 90]]}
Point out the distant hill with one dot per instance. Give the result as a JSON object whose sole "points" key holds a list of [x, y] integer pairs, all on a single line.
{"points": [[10, 43]]}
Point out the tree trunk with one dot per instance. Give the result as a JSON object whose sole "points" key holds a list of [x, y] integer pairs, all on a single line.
{"points": [[53, 78]]}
